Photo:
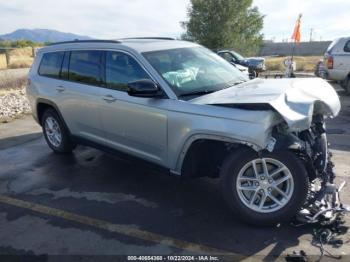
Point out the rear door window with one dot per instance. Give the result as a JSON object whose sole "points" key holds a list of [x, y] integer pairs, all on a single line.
{"points": [[51, 63], [86, 67], [122, 69]]}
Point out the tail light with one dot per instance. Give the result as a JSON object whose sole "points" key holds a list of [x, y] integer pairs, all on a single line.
{"points": [[330, 62]]}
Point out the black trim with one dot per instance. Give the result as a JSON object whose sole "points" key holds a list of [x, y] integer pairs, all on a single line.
{"points": [[64, 74], [85, 41], [86, 142], [52, 104], [103, 69]]}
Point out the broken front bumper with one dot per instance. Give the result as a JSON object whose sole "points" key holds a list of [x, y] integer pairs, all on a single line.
{"points": [[324, 204]]}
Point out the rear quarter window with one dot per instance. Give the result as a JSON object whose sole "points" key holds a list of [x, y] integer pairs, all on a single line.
{"points": [[50, 65]]}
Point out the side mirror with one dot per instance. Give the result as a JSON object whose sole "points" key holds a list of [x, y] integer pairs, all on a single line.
{"points": [[144, 88]]}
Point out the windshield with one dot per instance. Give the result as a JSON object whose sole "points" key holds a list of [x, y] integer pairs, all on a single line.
{"points": [[194, 70], [238, 56]]}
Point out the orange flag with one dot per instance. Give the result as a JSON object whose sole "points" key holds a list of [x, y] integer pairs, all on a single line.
{"points": [[296, 33]]}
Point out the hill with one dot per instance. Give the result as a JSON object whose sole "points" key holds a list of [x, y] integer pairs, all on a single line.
{"points": [[41, 35]]}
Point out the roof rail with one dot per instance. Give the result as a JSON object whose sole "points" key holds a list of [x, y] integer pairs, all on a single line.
{"points": [[156, 38], [85, 41]]}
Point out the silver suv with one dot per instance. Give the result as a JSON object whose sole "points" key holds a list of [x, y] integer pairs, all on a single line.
{"points": [[337, 61], [183, 107]]}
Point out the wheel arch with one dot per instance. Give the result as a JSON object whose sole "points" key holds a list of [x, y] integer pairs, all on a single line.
{"points": [[42, 105], [198, 144]]}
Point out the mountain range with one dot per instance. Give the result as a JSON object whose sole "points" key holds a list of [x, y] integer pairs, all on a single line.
{"points": [[42, 35]]}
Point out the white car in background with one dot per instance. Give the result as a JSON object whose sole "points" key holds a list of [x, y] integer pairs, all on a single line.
{"points": [[241, 68], [337, 62]]}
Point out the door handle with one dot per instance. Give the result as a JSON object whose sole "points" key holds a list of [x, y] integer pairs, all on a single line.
{"points": [[109, 98], [60, 88]]}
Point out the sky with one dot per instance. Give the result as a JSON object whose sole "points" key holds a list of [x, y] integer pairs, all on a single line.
{"points": [[111, 19]]}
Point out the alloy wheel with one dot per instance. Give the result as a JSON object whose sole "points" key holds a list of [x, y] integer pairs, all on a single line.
{"points": [[265, 185]]}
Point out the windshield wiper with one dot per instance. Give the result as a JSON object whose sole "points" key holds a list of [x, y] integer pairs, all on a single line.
{"points": [[230, 84], [198, 93], [205, 92]]}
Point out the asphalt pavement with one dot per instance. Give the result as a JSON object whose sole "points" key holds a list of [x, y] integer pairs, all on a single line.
{"points": [[91, 204]]}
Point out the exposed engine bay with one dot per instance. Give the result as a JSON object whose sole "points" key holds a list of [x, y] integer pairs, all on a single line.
{"points": [[295, 120], [323, 204]]}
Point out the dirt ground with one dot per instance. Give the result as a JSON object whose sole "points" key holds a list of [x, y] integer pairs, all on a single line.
{"points": [[19, 58], [303, 63]]}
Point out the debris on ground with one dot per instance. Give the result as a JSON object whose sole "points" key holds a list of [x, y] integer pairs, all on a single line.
{"points": [[12, 104]]}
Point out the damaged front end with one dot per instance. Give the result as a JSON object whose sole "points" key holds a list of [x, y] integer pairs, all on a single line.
{"points": [[323, 204], [302, 105]]}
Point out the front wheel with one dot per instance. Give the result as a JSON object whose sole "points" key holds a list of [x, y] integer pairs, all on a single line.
{"points": [[264, 190]]}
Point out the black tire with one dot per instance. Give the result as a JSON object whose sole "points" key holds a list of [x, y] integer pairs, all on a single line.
{"points": [[347, 88], [229, 173], [66, 145]]}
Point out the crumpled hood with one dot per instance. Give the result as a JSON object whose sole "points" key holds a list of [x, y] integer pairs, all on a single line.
{"points": [[295, 99]]}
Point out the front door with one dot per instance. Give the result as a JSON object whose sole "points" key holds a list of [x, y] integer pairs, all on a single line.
{"points": [[134, 125]]}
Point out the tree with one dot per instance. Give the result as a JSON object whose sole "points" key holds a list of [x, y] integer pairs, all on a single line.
{"points": [[18, 43], [219, 24]]}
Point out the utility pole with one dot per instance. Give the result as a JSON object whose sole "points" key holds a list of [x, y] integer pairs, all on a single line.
{"points": [[311, 31]]}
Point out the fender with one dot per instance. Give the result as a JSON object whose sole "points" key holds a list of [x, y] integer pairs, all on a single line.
{"points": [[52, 104], [195, 137]]}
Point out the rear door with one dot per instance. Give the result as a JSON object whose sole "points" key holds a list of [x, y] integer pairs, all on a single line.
{"points": [[82, 72], [134, 125]]}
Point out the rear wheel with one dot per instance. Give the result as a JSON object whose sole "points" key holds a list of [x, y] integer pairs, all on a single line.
{"points": [[264, 190], [55, 133]]}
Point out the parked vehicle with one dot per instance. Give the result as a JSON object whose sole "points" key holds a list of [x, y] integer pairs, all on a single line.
{"points": [[337, 61], [181, 106], [255, 65], [243, 69], [320, 69]]}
